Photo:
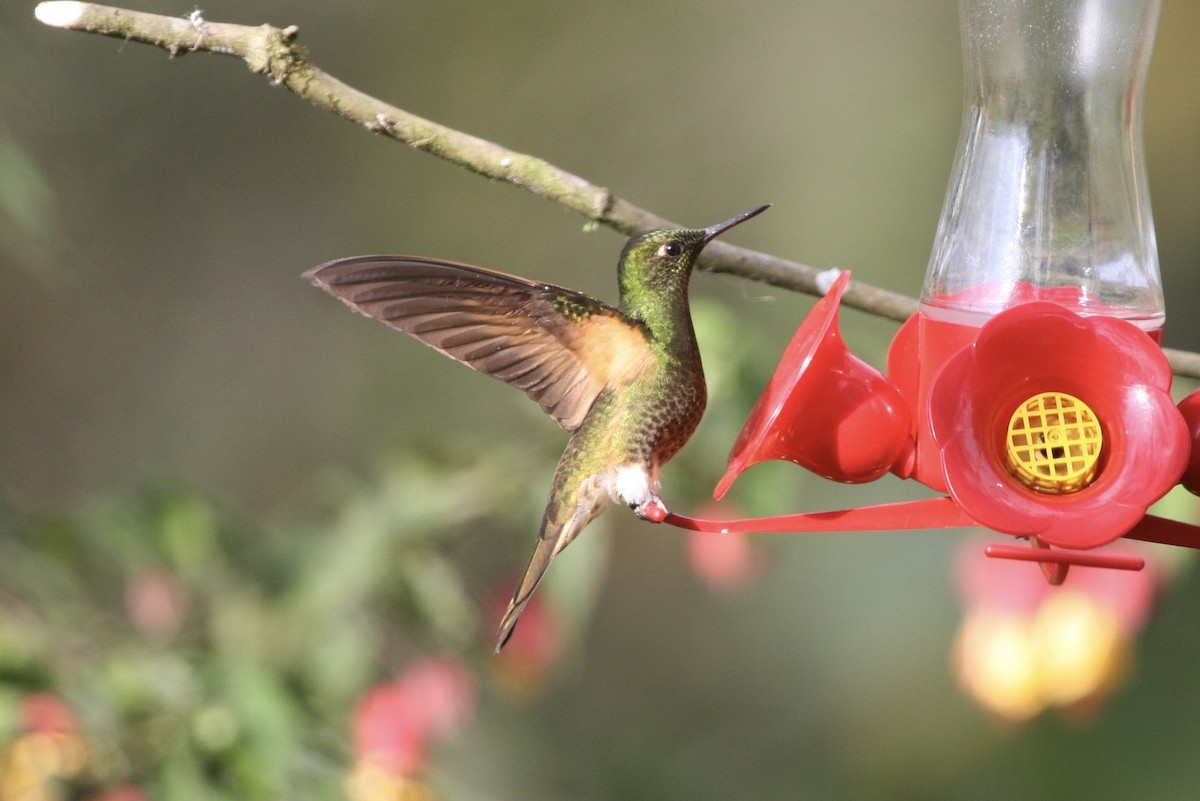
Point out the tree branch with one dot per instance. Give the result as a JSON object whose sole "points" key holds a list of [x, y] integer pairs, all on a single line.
{"points": [[273, 52]]}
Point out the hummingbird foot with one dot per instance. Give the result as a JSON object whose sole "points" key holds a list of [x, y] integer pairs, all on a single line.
{"points": [[653, 510]]}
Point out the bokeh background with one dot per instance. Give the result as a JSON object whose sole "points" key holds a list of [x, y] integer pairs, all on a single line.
{"points": [[229, 507]]}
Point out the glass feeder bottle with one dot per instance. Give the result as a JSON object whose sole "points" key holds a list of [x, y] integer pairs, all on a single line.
{"points": [[1048, 197]]}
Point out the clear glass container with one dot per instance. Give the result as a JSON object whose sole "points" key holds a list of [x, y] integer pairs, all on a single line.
{"points": [[1048, 197]]}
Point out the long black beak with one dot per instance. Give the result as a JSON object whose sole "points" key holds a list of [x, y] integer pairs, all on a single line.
{"points": [[714, 231]]}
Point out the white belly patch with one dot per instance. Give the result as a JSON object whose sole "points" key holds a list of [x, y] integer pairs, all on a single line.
{"points": [[632, 484]]}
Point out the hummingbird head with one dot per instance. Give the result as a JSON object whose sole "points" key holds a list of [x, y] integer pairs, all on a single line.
{"points": [[662, 260]]}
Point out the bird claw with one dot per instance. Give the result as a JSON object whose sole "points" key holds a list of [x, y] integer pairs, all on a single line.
{"points": [[653, 510]]}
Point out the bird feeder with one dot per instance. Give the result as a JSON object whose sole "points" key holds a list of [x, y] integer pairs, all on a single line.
{"points": [[1030, 389]]}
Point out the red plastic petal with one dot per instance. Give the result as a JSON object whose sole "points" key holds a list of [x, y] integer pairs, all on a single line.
{"points": [[1112, 366]]}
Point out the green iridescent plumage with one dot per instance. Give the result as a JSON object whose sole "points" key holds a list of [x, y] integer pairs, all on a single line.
{"points": [[626, 381]]}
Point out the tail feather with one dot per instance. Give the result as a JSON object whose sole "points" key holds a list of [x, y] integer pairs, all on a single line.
{"points": [[543, 554], [566, 516]]}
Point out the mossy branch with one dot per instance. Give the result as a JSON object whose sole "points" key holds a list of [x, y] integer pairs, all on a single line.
{"points": [[273, 52]]}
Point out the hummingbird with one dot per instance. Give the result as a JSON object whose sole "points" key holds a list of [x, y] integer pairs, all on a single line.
{"points": [[627, 382]]}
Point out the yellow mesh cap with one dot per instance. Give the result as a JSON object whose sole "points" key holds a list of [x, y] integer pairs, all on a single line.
{"points": [[1053, 443]]}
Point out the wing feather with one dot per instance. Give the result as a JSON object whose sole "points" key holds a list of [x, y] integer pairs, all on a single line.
{"points": [[559, 346]]}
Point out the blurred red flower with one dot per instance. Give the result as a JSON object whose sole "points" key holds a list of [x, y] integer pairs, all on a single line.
{"points": [[390, 731], [395, 723], [125, 792], [46, 713], [525, 664], [445, 689], [156, 603], [726, 560], [46, 755]]}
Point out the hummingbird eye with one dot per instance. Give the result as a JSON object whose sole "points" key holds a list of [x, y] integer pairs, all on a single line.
{"points": [[671, 249]]}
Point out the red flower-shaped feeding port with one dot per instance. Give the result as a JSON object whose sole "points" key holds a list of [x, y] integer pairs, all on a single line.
{"points": [[1058, 426]]}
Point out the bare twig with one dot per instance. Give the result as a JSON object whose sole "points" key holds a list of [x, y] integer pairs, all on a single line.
{"points": [[273, 52]]}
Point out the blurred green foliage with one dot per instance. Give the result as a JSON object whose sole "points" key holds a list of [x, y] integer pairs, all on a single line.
{"points": [[209, 656]]}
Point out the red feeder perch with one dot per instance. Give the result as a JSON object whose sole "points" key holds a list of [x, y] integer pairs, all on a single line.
{"points": [[1030, 387]]}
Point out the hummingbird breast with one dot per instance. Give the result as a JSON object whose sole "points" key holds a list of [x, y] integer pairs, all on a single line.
{"points": [[636, 424], [667, 409]]}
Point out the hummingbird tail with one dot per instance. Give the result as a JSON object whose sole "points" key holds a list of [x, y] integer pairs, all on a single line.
{"points": [[542, 556], [570, 508]]}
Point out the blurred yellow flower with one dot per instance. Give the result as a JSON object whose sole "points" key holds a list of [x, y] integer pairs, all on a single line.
{"points": [[1025, 646]]}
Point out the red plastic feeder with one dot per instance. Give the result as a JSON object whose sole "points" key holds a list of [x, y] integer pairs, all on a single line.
{"points": [[1030, 388]]}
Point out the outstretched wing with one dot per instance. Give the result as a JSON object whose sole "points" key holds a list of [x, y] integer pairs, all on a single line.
{"points": [[558, 345]]}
